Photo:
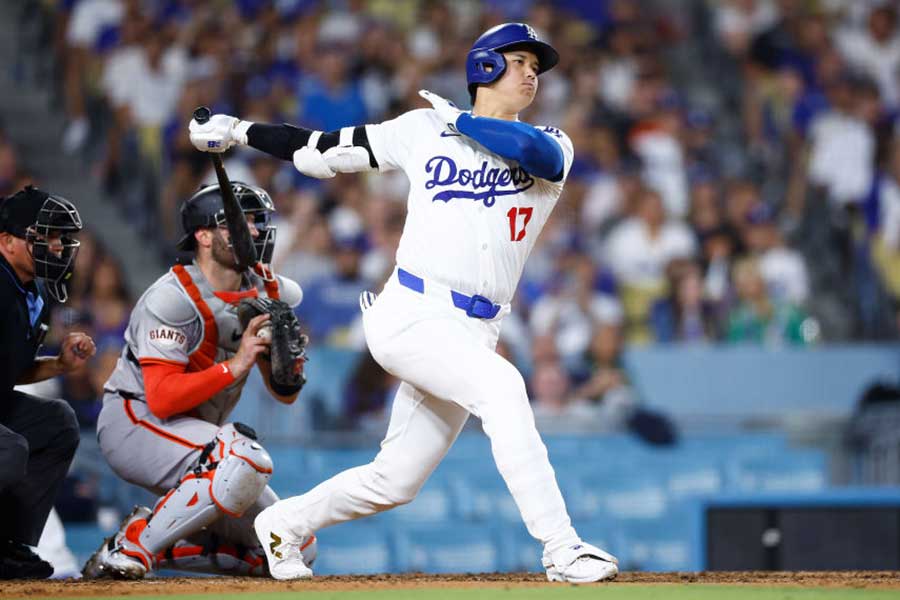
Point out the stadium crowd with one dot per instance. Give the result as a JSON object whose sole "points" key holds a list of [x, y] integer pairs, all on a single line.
{"points": [[736, 178]]}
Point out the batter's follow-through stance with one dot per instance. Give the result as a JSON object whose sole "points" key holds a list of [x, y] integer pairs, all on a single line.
{"points": [[482, 185], [164, 424]]}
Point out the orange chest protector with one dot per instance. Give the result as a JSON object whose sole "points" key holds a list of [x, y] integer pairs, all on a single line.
{"points": [[204, 356]]}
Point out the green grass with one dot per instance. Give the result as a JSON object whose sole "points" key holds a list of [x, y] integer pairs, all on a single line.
{"points": [[607, 592]]}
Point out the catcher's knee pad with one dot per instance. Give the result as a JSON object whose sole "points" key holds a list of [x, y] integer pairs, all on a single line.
{"points": [[243, 469], [232, 472]]}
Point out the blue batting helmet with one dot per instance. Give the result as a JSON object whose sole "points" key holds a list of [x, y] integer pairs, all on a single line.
{"points": [[486, 52]]}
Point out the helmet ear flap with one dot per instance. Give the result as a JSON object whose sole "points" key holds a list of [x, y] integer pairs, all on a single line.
{"points": [[486, 65], [483, 66]]}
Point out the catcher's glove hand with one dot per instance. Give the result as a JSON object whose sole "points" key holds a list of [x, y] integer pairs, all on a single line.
{"points": [[287, 351]]}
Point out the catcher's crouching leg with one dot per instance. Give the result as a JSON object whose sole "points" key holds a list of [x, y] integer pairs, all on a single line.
{"points": [[231, 474], [214, 556]]}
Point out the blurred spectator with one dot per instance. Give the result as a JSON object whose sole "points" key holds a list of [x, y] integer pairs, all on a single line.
{"points": [[761, 319], [885, 245], [737, 22], [601, 378], [571, 313], [717, 250], [330, 307], [706, 210], [842, 146], [637, 252], [550, 394], [657, 141], [90, 24], [875, 50], [684, 315], [741, 197], [609, 184], [107, 299], [702, 152], [782, 268], [385, 231], [303, 247], [330, 99]]}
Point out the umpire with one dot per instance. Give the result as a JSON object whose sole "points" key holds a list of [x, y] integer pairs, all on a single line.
{"points": [[38, 436]]}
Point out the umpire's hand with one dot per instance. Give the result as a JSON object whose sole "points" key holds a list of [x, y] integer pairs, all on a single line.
{"points": [[76, 349]]}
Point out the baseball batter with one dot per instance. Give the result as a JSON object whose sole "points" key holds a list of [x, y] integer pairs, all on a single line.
{"points": [[164, 423], [482, 185]]}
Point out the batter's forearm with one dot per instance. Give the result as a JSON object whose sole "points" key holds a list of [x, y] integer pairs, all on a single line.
{"points": [[346, 150], [281, 141]]}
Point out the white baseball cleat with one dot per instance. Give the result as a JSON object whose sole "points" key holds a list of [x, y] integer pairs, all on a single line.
{"points": [[289, 557], [581, 563], [110, 561]]}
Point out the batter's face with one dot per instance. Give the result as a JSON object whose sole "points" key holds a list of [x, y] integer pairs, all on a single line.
{"points": [[519, 84]]}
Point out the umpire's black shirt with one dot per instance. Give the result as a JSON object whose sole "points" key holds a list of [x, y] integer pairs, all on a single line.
{"points": [[19, 340]]}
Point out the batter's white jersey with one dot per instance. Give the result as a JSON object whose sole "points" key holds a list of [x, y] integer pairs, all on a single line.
{"points": [[472, 216]]}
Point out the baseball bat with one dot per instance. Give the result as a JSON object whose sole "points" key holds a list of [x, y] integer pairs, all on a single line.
{"points": [[241, 240]]}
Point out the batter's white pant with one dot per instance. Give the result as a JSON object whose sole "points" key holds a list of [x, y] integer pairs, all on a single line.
{"points": [[449, 368]]}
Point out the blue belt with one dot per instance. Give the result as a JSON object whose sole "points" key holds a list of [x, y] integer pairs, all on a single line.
{"points": [[477, 307]]}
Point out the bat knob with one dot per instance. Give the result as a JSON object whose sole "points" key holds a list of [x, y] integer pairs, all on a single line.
{"points": [[202, 114]]}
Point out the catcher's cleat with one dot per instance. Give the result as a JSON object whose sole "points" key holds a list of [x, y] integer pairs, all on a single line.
{"points": [[120, 557], [581, 563], [289, 557]]}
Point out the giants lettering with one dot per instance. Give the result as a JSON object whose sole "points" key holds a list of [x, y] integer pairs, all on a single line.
{"points": [[166, 337]]}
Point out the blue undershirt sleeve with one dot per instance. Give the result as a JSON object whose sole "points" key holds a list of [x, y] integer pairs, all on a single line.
{"points": [[533, 149]]}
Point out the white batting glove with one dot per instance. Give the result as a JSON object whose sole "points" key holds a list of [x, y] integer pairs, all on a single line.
{"points": [[218, 134], [445, 109]]}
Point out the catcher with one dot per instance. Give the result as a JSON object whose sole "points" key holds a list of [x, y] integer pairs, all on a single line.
{"points": [[192, 339]]}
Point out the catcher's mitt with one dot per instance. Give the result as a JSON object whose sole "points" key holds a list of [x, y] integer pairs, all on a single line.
{"points": [[287, 351]]}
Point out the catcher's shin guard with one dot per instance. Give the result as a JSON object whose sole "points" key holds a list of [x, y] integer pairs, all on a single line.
{"points": [[232, 473]]}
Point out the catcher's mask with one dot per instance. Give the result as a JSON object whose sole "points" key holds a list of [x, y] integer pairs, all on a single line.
{"points": [[46, 222], [205, 210]]}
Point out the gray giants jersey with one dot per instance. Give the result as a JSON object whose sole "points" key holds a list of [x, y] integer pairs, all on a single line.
{"points": [[166, 327]]}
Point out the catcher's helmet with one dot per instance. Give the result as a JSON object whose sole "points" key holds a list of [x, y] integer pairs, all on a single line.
{"points": [[36, 216], [486, 52], [205, 209]]}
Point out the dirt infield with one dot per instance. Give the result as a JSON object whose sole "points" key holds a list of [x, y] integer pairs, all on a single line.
{"points": [[232, 585]]}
